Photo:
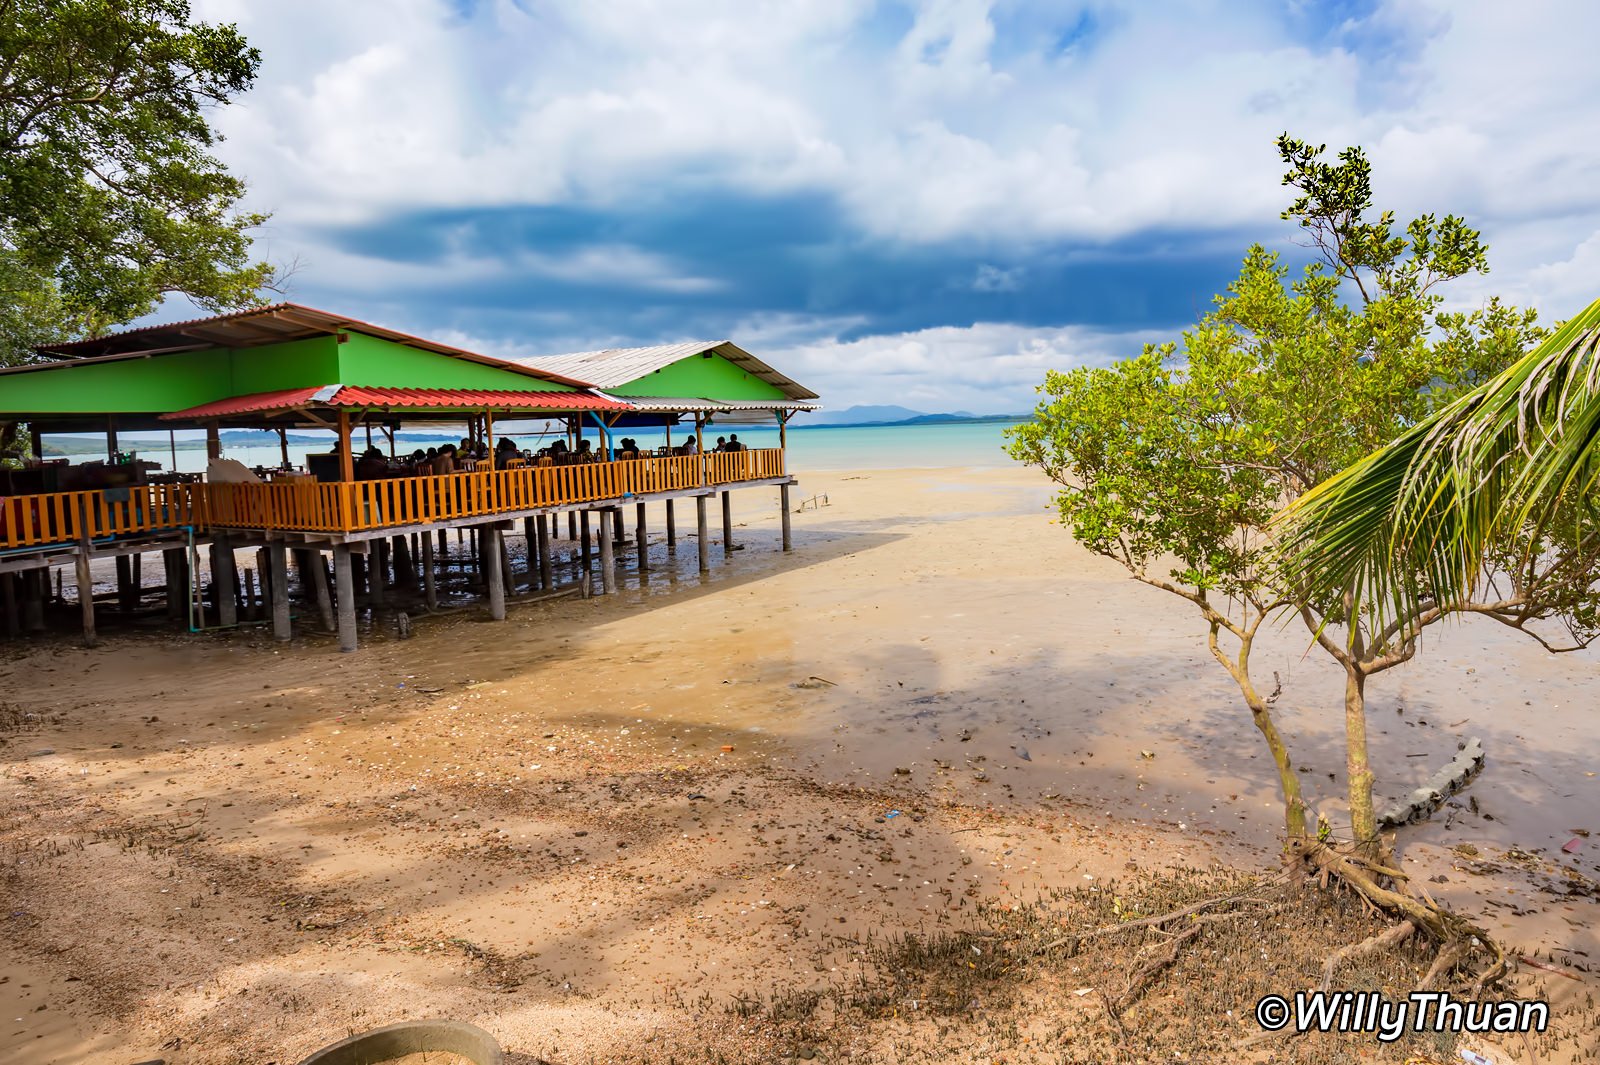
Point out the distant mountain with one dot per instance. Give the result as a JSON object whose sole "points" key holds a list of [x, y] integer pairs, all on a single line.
{"points": [[891, 415], [880, 415]]}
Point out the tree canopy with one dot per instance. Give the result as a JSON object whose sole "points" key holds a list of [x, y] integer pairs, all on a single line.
{"points": [[109, 196], [1175, 462]]}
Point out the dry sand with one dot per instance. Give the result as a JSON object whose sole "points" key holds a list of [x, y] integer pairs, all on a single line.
{"points": [[571, 827]]}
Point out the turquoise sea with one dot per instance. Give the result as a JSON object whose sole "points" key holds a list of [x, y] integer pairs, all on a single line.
{"points": [[824, 448]]}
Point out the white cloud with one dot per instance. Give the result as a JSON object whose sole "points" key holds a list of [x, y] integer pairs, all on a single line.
{"points": [[1163, 121]]}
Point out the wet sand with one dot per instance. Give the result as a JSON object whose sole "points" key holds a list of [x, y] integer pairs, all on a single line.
{"points": [[569, 826]]}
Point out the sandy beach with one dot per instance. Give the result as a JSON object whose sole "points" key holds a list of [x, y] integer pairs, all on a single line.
{"points": [[571, 826]]}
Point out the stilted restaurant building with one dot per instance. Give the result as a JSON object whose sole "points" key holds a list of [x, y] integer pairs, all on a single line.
{"points": [[288, 367]]}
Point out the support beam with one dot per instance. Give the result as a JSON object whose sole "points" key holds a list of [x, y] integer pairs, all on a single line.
{"points": [[507, 578], [345, 588], [177, 566], [319, 577], [378, 575], [704, 535], [672, 526], [224, 578], [727, 524], [583, 545], [347, 465], [430, 590], [8, 605], [127, 599], [641, 540], [493, 577], [405, 574], [531, 543], [783, 506], [572, 525], [213, 440], [86, 595], [608, 571], [278, 585], [546, 576]]}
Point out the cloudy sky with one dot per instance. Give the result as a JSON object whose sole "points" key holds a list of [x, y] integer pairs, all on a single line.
{"points": [[923, 203]]}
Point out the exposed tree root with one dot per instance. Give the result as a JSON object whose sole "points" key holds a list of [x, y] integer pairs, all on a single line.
{"points": [[1457, 938], [1383, 940]]}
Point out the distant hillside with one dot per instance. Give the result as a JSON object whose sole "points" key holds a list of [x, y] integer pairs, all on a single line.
{"points": [[855, 417]]}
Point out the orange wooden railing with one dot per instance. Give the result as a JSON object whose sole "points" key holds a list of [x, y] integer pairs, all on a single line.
{"points": [[349, 506], [70, 517]]}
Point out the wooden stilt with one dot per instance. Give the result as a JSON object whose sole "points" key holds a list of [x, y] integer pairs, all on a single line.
{"points": [[783, 505], [641, 539], [444, 547], [430, 589], [378, 574], [405, 574], [125, 596], [493, 577], [86, 596], [345, 588], [35, 582], [704, 534], [572, 525], [498, 545], [619, 527], [727, 524], [138, 577], [672, 526], [358, 577], [247, 594], [531, 543], [278, 580], [8, 605], [177, 563], [224, 578], [608, 570], [264, 569], [583, 538], [319, 579], [546, 577]]}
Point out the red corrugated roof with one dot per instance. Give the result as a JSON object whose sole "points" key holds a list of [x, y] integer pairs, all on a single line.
{"points": [[408, 398]]}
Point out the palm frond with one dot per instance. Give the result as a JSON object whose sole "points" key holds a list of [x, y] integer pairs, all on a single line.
{"points": [[1411, 523]]}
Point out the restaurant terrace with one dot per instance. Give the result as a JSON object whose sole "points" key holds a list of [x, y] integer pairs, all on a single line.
{"points": [[370, 512]]}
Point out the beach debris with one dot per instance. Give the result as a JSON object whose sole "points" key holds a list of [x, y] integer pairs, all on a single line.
{"points": [[727, 748], [901, 771], [1147, 755], [1572, 845], [1423, 801], [41, 754], [1547, 968], [891, 813], [693, 795], [1022, 753], [964, 735]]}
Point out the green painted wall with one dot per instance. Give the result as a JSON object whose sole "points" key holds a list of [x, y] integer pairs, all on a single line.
{"points": [[713, 378], [312, 362], [365, 360], [164, 383], [158, 384]]}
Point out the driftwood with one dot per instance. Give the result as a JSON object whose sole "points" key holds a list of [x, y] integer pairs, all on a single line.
{"points": [[1423, 801]]}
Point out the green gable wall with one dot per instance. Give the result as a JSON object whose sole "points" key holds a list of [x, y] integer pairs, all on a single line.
{"points": [[164, 383], [155, 385], [713, 378], [365, 360]]}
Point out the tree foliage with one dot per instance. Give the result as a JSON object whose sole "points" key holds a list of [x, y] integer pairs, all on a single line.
{"points": [[109, 198], [1175, 462]]}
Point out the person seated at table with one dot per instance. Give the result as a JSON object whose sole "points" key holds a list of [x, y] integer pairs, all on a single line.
{"points": [[444, 460], [505, 450], [372, 465], [688, 447], [584, 452], [419, 456], [733, 443], [722, 444]]}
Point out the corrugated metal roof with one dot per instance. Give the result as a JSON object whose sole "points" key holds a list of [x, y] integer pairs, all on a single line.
{"points": [[404, 398], [615, 367], [272, 324], [675, 403]]}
